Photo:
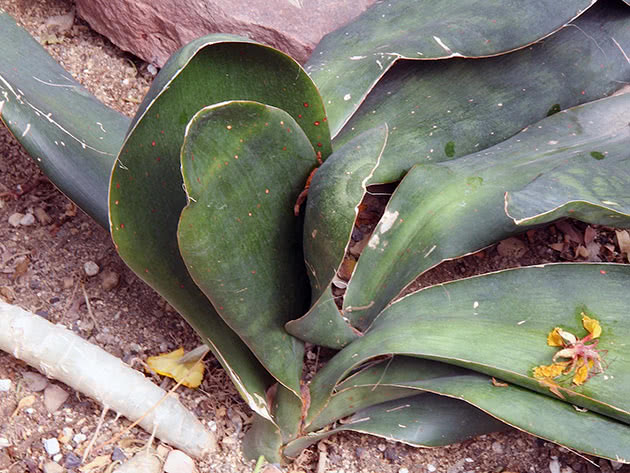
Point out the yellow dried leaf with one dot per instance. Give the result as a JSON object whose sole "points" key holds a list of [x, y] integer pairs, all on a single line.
{"points": [[190, 374], [591, 325], [549, 371], [26, 401], [554, 339]]}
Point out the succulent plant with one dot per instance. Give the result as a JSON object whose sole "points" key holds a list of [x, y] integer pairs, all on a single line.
{"points": [[489, 120]]}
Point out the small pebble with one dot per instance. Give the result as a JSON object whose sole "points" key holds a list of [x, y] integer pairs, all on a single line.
{"points": [[178, 462], [35, 381], [42, 216], [403, 470], [91, 268], [109, 280], [52, 467], [431, 468], [554, 466], [27, 220], [14, 219], [79, 438], [51, 446], [54, 397], [381, 447], [72, 461], [57, 457], [68, 283], [4, 443], [151, 69], [5, 385], [118, 455], [497, 447]]}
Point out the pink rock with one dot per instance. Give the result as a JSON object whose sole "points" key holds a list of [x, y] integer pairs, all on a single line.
{"points": [[154, 29]]}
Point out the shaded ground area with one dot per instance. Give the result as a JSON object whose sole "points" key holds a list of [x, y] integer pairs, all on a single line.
{"points": [[42, 270]]}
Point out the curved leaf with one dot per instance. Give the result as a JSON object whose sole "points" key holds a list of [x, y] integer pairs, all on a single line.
{"points": [[348, 62], [560, 422], [439, 110], [68, 132], [424, 420], [146, 184], [244, 164], [334, 196], [498, 324], [546, 167]]}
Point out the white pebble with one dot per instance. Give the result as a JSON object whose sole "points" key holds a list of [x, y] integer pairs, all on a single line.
{"points": [[431, 468], [78, 438], [58, 457], [4, 443], [14, 219], [5, 385], [91, 268], [51, 446], [554, 466], [28, 219], [403, 470], [178, 462]]}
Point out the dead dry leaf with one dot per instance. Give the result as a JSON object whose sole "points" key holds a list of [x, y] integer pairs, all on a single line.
{"points": [[190, 374], [623, 239], [589, 235], [23, 403], [570, 233]]}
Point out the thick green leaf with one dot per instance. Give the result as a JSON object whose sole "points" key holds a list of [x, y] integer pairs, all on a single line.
{"points": [[378, 382], [334, 196], [443, 211], [498, 324], [439, 110], [424, 420], [263, 438], [146, 185], [72, 136], [519, 407], [348, 62], [244, 164]]}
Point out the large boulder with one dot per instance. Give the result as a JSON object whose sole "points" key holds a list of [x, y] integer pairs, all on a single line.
{"points": [[153, 29]]}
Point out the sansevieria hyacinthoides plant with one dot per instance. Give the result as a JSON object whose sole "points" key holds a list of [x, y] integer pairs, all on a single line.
{"points": [[457, 103]]}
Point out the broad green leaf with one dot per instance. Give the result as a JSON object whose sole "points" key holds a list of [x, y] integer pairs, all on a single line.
{"points": [[439, 110], [379, 382], [444, 211], [334, 196], [516, 406], [424, 420], [68, 132], [146, 185], [263, 438], [348, 62], [498, 324], [244, 164]]}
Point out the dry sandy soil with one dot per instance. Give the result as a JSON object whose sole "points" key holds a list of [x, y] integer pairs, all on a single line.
{"points": [[41, 269]]}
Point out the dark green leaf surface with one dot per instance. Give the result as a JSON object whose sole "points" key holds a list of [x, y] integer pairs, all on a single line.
{"points": [[424, 420], [444, 211], [498, 324], [438, 110], [244, 164], [519, 407], [146, 184], [68, 132], [348, 62], [335, 193]]}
